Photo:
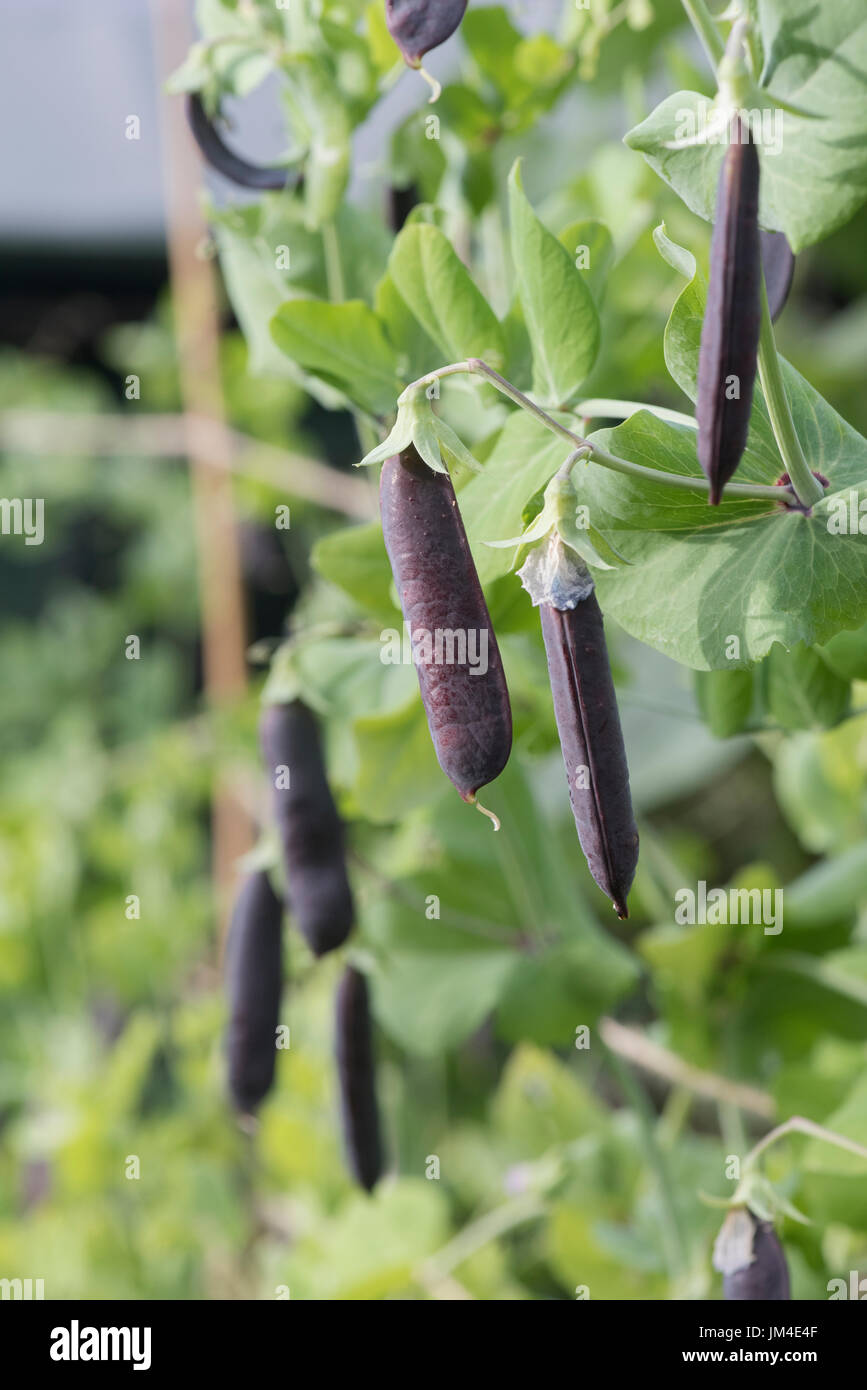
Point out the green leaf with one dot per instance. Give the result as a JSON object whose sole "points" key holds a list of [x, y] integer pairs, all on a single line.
{"points": [[677, 256], [548, 996], [438, 289], [833, 1178], [730, 577], [801, 691], [416, 353], [725, 699], [831, 891], [541, 1102], [819, 784], [814, 172], [559, 309], [591, 247], [267, 256], [521, 464], [847, 654], [371, 1247], [345, 345], [355, 559], [398, 768], [431, 1001]]}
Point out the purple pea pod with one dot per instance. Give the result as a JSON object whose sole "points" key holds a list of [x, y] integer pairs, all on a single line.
{"points": [[728, 355], [309, 827], [357, 1078], [464, 694], [254, 976], [749, 1255], [417, 26], [778, 264], [588, 722]]}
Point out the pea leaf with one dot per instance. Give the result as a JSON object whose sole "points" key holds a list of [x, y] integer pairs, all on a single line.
{"points": [[729, 578], [343, 344], [801, 691], [559, 310], [725, 699], [440, 292], [354, 558], [814, 171], [591, 247]]}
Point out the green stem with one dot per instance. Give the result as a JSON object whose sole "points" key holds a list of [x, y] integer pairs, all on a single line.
{"points": [[671, 1226], [480, 1233], [798, 1125], [607, 409], [333, 264], [475, 366], [704, 25], [334, 279], [807, 489]]}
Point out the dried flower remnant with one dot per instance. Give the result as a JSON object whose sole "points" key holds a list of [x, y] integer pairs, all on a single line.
{"points": [[750, 1257]]}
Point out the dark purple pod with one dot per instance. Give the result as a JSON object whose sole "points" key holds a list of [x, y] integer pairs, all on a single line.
{"points": [[732, 321], [254, 978], [588, 722], [357, 1078], [766, 1277], [217, 153], [309, 828], [463, 687], [417, 26], [778, 265]]}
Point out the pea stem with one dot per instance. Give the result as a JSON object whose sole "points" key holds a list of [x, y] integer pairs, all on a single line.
{"points": [[672, 1226], [704, 25], [798, 1125], [335, 280], [475, 366], [807, 489]]}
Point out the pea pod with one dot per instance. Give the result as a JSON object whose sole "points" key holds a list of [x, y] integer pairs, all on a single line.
{"points": [[466, 700], [310, 830], [764, 1276], [417, 26], [588, 722], [778, 266], [356, 1075], [225, 161], [730, 333], [254, 973]]}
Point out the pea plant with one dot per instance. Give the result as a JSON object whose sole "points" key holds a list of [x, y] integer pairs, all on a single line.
{"points": [[473, 333]]}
